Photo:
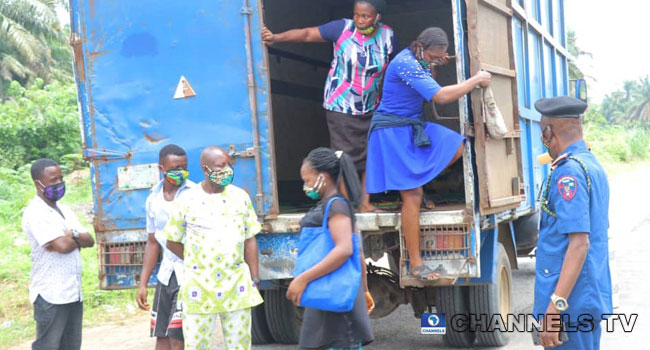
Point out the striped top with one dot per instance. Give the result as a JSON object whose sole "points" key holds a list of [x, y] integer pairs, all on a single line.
{"points": [[359, 61]]}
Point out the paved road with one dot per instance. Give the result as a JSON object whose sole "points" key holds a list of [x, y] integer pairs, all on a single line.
{"points": [[630, 224]]}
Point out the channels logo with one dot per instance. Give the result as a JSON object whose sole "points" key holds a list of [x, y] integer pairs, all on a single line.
{"points": [[432, 324]]}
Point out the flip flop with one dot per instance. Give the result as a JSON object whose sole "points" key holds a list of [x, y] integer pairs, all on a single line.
{"points": [[422, 272]]}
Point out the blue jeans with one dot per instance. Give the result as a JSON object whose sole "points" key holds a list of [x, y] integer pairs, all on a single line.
{"points": [[57, 326]]}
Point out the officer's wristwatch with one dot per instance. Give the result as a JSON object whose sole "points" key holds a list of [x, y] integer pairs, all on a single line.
{"points": [[75, 233], [560, 303]]}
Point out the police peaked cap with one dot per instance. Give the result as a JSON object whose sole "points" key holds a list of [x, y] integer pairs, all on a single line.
{"points": [[561, 107]]}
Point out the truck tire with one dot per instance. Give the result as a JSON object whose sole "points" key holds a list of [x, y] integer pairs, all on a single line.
{"points": [[259, 328], [282, 317], [491, 299], [453, 301]]}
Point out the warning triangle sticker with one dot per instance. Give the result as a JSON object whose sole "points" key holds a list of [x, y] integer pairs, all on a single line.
{"points": [[183, 89]]}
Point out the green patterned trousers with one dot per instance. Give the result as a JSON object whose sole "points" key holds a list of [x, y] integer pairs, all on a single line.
{"points": [[236, 326]]}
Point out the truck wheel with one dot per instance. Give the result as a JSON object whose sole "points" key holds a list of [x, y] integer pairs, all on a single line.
{"points": [[259, 328], [453, 301], [282, 317], [492, 299]]}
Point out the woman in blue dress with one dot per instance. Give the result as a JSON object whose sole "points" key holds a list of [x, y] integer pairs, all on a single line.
{"points": [[404, 151]]}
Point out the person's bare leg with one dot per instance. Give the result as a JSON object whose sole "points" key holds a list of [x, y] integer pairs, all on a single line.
{"points": [[163, 344], [411, 200], [365, 205], [176, 344], [458, 155], [429, 204]]}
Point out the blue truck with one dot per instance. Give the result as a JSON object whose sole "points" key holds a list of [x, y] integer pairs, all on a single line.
{"points": [[196, 73]]}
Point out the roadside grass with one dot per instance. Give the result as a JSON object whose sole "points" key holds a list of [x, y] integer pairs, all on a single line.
{"points": [[16, 319]]}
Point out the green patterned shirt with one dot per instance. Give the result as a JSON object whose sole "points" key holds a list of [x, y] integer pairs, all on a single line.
{"points": [[214, 228]]}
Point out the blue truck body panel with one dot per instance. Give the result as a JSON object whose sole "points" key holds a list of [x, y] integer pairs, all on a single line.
{"points": [[132, 55]]}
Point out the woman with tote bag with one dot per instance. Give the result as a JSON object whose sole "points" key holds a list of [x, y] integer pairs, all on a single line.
{"points": [[330, 276]]}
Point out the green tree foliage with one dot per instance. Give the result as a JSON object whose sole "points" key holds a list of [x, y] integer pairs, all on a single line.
{"points": [[39, 121], [32, 42], [574, 71], [640, 102], [631, 105]]}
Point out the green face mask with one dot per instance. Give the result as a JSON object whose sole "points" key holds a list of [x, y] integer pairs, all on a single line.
{"points": [[367, 31], [221, 177], [314, 192], [176, 177]]}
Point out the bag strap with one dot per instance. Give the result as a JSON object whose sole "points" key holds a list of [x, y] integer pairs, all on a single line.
{"points": [[326, 214]]}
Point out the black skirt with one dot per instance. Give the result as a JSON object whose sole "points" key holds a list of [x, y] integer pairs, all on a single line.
{"points": [[324, 329], [349, 133]]}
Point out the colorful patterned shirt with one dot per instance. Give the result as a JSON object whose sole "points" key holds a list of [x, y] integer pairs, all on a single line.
{"points": [[214, 228], [359, 61]]}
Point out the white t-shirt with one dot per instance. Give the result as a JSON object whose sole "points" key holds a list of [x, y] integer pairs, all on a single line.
{"points": [[157, 211], [54, 276]]}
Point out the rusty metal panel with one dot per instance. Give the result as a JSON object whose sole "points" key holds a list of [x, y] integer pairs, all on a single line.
{"points": [[132, 58], [498, 161]]}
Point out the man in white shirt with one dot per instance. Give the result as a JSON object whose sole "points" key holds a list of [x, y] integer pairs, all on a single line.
{"points": [[56, 236], [166, 316]]}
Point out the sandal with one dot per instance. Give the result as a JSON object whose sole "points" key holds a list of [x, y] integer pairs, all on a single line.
{"points": [[423, 272]]}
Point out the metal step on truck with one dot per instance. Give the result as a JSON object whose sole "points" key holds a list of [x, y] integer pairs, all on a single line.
{"points": [[196, 73]]}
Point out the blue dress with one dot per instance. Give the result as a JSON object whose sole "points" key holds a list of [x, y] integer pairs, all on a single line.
{"points": [[394, 162]]}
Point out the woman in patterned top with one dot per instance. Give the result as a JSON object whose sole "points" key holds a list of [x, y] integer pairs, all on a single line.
{"points": [[362, 47]]}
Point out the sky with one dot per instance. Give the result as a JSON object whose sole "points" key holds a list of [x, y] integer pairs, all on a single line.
{"points": [[616, 34]]}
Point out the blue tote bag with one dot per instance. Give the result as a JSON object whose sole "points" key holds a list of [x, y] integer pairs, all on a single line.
{"points": [[337, 290]]}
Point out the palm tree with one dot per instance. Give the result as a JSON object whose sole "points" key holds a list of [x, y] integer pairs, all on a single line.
{"points": [[628, 87], [614, 107], [28, 29], [640, 109]]}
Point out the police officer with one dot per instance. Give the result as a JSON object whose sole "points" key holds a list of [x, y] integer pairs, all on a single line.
{"points": [[572, 279]]}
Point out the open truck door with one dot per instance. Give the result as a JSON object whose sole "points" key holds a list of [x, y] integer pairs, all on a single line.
{"points": [[180, 74], [498, 162]]}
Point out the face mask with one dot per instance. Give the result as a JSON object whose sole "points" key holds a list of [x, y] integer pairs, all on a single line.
{"points": [[176, 177], [313, 192], [547, 143], [369, 30], [423, 62], [54, 192], [221, 177]]}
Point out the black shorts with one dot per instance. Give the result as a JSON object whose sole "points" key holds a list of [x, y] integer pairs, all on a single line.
{"points": [[166, 315], [349, 133]]}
